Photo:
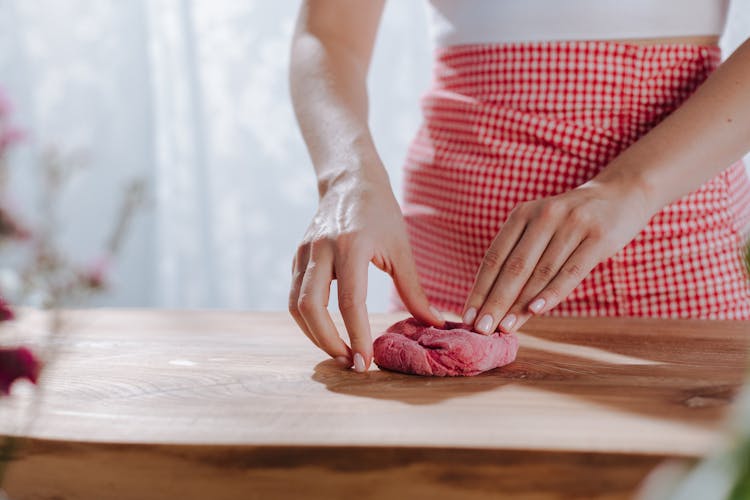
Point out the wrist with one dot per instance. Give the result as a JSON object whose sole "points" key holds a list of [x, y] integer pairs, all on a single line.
{"points": [[363, 173], [635, 184]]}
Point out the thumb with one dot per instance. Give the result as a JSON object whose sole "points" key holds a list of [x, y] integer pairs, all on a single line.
{"points": [[407, 284]]}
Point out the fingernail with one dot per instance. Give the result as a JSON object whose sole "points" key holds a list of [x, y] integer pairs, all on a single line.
{"points": [[359, 363], [485, 323], [437, 313], [508, 322], [537, 305], [470, 316], [343, 361]]}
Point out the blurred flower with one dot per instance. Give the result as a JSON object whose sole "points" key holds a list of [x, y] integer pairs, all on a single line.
{"points": [[6, 313], [15, 364], [10, 227], [47, 277], [8, 135], [94, 276]]}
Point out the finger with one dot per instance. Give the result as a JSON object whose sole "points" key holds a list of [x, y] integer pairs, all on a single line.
{"points": [[351, 270], [313, 305], [513, 277], [299, 263], [493, 261], [406, 280], [563, 244], [575, 269]]}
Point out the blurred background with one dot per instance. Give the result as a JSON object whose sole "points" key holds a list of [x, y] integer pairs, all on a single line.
{"points": [[192, 95]]}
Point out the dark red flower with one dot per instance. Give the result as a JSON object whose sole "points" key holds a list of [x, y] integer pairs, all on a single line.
{"points": [[17, 363], [6, 313]]}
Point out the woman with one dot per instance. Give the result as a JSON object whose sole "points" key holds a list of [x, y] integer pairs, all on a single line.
{"points": [[576, 158]]}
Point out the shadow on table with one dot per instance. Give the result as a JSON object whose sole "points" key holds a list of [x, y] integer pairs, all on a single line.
{"points": [[688, 384], [410, 389]]}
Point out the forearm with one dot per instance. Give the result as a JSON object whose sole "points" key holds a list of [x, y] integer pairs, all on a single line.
{"points": [[329, 94], [705, 135]]}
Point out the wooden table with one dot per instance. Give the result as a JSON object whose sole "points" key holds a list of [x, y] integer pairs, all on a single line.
{"points": [[218, 405]]}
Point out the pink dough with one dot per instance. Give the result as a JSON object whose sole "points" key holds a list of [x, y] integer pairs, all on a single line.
{"points": [[411, 347]]}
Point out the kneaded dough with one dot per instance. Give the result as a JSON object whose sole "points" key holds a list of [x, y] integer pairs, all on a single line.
{"points": [[411, 347]]}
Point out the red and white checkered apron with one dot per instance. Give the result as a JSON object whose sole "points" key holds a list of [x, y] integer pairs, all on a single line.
{"points": [[507, 123]]}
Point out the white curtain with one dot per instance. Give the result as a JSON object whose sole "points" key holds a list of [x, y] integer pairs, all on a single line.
{"points": [[193, 96]]}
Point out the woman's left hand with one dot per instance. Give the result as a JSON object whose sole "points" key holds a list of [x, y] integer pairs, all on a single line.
{"points": [[548, 246]]}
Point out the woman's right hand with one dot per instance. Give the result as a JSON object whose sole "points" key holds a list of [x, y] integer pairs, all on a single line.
{"points": [[358, 221]]}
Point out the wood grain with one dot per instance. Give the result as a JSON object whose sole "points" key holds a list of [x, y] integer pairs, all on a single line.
{"points": [[229, 404]]}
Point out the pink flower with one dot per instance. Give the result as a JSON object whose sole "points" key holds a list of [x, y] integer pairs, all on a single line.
{"points": [[17, 363], [6, 313], [8, 134], [94, 276], [9, 137]]}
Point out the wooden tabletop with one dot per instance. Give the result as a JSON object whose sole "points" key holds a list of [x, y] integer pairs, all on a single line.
{"points": [[212, 400]]}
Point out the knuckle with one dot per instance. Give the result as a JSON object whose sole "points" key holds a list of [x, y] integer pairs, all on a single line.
{"points": [[321, 242], [515, 266], [599, 234], [348, 238], [306, 304], [550, 210], [347, 244], [521, 210], [305, 247], [574, 271], [349, 300], [343, 240], [314, 243], [493, 259], [580, 216], [545, 271], [292, 301], [292, 305]]}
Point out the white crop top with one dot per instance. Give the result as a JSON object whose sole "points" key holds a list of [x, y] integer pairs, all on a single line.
{"points": [[457, 22]]}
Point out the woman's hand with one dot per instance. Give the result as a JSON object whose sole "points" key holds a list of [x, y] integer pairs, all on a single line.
{"points": [[548, 246], [358, 222]]}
